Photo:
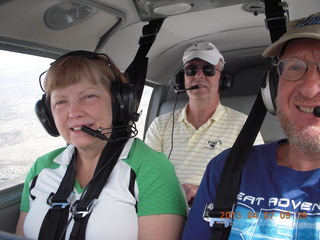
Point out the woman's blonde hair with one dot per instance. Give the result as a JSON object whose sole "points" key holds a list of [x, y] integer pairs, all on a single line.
{"points": [[70, 69]]}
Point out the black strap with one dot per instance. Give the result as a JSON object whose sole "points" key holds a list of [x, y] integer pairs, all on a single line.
{"points": [[275, 18], [83, 207], [228, 188], [226, 195], [137, 70], [56, 219]]}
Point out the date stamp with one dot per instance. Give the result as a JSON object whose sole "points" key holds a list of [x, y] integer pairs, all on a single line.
{"points": [[265, 215]]}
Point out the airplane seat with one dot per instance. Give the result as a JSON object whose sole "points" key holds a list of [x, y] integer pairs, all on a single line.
{"points": [[10, 236]]}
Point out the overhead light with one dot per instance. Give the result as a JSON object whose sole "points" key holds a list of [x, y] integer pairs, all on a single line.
{"points": [[255, 8], [172, 8], [65, 14], [154, 9]]}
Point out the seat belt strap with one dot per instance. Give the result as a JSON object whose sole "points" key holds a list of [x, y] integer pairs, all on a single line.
{"points": [[230, 179], [137, 71], [229, 184], [81, 209], [275, 18], [56, 219]]}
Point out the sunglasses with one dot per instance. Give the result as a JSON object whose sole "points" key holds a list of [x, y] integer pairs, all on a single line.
{"points": [[207, 69]]}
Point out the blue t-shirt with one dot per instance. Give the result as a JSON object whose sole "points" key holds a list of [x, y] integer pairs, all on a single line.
{"points": [[274, 202]]}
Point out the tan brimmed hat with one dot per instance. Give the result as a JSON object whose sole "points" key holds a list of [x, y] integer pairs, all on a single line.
{"points": [[301, 28]]}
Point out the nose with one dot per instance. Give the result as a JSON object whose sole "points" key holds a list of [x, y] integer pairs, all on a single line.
{"points": [[75, 110], [310, 84], [199, 72]]}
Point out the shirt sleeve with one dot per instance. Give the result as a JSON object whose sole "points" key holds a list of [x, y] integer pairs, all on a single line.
{"points": [[159, 189], [41, 163], [154, 136], [25, 202], [259, 140]]}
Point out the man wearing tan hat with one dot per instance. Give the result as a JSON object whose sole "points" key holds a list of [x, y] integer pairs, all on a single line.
{"points": [[203, 128], [280, 186]]}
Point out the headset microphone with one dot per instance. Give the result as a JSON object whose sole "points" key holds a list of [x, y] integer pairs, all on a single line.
{"points": [[184, 90], [130, 132], [316, 112], [94, 133]]}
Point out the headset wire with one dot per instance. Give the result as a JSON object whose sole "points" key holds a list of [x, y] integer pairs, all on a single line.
{"points": [[172, 130]]}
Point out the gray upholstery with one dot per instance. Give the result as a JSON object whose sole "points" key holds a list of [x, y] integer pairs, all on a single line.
{"points": [[270, 129], [10, 236]]}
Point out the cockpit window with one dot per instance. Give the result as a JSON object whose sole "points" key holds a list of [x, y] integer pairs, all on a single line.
{"points": [[22, 138]]}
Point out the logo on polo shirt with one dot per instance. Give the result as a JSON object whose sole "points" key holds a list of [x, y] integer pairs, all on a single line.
{"points": [[213, 144]]}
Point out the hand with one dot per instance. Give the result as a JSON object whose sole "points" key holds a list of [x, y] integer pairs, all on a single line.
{"points": [[191, 191]]}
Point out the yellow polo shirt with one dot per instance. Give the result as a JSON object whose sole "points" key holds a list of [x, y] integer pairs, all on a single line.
{"points": [[193, 149]]}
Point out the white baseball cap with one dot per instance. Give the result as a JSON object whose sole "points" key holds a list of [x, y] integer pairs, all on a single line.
{"points": [[308, 27], [205, 51]]}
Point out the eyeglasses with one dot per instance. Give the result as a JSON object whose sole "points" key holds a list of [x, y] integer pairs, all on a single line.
{"points": [[207, 69], [294, 69]]}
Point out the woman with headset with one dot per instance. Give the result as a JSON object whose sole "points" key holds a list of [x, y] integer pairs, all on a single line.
{"points": [[104, 184]]}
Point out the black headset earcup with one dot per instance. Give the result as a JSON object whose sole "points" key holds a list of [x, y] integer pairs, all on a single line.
{"points": [[44, 114], [225, 81], [179, 81], [124, 103], [269, 88]]}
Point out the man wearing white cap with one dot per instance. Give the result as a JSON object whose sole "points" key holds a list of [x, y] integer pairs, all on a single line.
{"points": [[280, 186], [203, 128]]}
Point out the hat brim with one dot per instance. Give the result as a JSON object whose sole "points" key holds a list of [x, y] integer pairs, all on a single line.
{"points": [[275, 49], [204, 57]]}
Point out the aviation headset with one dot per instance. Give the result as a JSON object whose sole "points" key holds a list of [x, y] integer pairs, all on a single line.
{"points": [[224, 84], [123, 97], [269, 88]]}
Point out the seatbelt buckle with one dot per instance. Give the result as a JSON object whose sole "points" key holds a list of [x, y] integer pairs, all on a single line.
{"points": [[215, 216], [147, 39], [275, 22], [85, 212], [61, 204]]}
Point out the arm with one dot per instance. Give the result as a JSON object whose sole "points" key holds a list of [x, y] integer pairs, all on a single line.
{"points": [[196, 227], [19, 227], [159, 227], [162, 207], [190, 190]]}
